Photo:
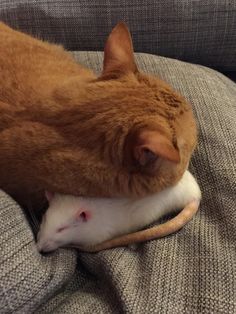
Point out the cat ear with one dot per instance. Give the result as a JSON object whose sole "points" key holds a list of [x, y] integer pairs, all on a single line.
{"points": [[49, 195], [149, 148], [118, 52]]}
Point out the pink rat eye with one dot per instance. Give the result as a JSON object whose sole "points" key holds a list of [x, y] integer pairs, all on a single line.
{"points": [[83, 216], [62, 228]]}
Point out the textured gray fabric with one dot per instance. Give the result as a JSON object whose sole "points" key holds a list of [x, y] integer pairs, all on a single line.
{"points": [[202, 31], [193, 271], [26, 278]]}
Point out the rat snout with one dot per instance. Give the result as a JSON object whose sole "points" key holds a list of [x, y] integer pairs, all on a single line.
{"points": [[38, 235], [47, 246]]}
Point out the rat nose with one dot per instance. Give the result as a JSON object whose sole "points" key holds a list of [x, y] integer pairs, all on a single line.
{"points": [[38, 235], [46, 246], [39, 246]]}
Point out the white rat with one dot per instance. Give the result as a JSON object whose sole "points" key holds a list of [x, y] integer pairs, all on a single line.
{"points": [[94, 224]]}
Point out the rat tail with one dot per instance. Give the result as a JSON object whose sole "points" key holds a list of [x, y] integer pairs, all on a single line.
{"points": [[159, 231]]}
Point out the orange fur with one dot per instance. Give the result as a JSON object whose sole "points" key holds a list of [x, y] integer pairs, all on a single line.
{"points": [[63, 129]]}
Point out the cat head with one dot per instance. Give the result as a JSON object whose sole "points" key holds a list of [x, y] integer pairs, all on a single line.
{"points": [[130, 133]]}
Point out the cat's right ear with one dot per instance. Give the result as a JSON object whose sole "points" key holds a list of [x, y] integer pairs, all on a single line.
{"points": [[118, 52], [145, 150]]}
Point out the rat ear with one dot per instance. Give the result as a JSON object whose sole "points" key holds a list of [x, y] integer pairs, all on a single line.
{"points": [[118, 52], [147, 148], [82, 215], [49, 195]]}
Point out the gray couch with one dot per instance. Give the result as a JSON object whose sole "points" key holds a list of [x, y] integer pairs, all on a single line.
{"points": [[192, 271]]}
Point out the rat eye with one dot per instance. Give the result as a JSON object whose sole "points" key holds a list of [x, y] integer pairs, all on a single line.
{"points": [[83, 216], [62, 228]]}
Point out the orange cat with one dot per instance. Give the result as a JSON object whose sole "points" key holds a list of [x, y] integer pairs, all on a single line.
{"points": [[63, 129]]}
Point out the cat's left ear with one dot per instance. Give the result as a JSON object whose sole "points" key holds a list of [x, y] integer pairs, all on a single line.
{"points": [[147, 149], [118, 52]]}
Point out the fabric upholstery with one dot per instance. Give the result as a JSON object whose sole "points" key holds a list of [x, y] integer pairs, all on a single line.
{"points": [[201, 32], [192, 271]]}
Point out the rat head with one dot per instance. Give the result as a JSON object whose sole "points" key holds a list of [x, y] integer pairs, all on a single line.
{"points": [[65, 222]]}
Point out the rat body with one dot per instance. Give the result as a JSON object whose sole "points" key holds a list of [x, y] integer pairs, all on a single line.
{"points": [[88, 222]]}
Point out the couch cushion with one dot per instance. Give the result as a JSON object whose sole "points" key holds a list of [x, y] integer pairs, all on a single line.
{"points": [[192, 271], [202, 31]]}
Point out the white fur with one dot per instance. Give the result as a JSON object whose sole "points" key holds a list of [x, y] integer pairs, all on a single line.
{"points": [[110, 217]]}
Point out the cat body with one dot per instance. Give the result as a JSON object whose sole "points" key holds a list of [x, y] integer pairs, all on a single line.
{"points": [[63, 129]]}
